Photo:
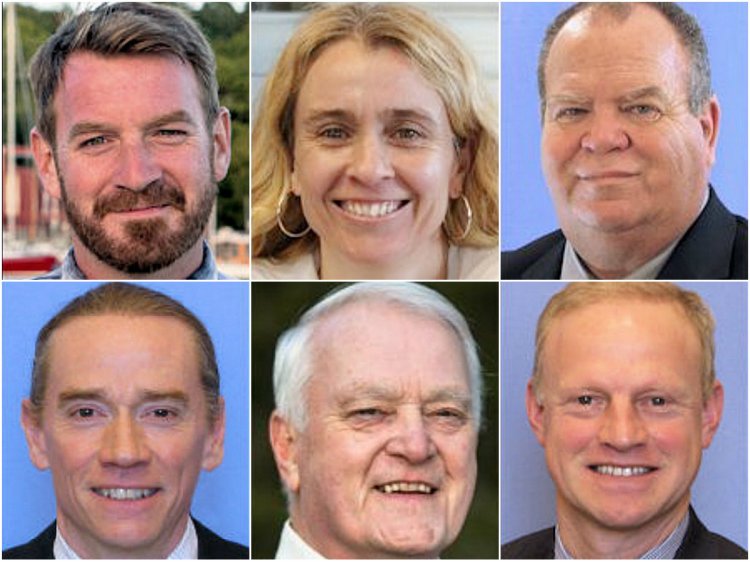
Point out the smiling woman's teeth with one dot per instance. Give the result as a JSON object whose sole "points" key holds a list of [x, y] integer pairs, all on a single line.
{"points": [[370, 209], [125, 493]]}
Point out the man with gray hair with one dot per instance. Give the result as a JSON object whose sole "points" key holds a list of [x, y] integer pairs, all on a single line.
{"points": [[629, 134], [131, 138], [378, 408]]}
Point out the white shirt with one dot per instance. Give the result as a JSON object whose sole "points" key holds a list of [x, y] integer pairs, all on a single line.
{"points": [[464, 262], [293, 547], [186, 549]]}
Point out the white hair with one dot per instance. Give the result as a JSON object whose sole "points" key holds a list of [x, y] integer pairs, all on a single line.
{"points": [[292, 363]]}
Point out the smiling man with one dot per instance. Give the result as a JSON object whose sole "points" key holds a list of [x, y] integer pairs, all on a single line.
{"points": [[125, 411], [131, 137], [378, 407], [624, 399], [629, 133]]}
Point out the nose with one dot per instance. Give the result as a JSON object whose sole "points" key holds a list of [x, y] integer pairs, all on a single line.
{"points": [[411, 439], [371, 160], [622, 427], [606, 132], [123, 443], [137, 166]]}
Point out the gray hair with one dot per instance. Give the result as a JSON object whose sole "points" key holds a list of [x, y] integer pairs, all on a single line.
{"points": [[685, 25], [291, 369]]}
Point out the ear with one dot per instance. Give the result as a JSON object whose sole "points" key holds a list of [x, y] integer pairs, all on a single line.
{"points": [[711, 415], [535, 413], [213, 450], [44, 156], [464, 157], [31, 420], [222, 141], [709, 120], [284, 442]]}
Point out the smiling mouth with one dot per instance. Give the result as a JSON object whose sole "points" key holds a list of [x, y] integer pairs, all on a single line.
{"points": [[374, 209], [125, 494], [406, 488], [622, 471]]}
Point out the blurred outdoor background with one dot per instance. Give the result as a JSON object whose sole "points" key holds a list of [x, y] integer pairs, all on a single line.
{"points": [[275, 307], [35, 233]]}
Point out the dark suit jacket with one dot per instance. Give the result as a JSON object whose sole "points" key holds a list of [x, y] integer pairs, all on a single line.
{"points": [[210, 546], [714, 247], [699, 542]]}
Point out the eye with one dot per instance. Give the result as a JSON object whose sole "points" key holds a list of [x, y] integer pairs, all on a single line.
{"points": [[162, 414], [452, 418], [659, 401], [94, 141], [585, 400], [333, 133], [84, 413], [408, 133], [565, 114], [644, 111]]}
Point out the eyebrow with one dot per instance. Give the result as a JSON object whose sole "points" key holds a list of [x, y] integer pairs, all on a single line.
{"points": [[318, 116], [356, 393], [87, 127], [99, 395], [645, 92]]}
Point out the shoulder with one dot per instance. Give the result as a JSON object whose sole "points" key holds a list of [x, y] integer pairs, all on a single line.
{"points": [[535, 545], [300, 268], [40, 547], [540, 259], [699, 542], [474, 263], [212, 546]]}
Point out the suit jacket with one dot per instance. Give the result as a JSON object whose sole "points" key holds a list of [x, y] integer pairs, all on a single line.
{"points": [[699, 542], [210, 546], [714, 247]]}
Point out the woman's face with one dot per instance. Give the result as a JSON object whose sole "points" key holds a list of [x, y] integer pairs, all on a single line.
{"points": [[374, 157]]}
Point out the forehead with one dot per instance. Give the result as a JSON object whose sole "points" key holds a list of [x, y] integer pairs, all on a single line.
{"points": [[641, 45], [364, 73], [374, 342], [122, 352]]}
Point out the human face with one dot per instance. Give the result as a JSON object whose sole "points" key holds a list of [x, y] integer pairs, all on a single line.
{"points": [[621, 151], [621, 414], [124, 414], [386, 464], [133, 160], [374, 157]]}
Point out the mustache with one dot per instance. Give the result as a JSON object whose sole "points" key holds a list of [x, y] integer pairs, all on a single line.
{"points": [[156, 194]]}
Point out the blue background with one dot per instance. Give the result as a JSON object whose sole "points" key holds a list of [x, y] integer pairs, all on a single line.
{"points": [[221, 498], [527, 211], [527, 497]]}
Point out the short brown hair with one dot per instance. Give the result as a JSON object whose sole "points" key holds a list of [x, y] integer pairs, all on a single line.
{"points": [[127, 300], [123, 28], [579, 295]]}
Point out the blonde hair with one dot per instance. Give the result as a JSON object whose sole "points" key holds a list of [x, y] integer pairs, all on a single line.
{"points": [[440, 59], [579, 295]]}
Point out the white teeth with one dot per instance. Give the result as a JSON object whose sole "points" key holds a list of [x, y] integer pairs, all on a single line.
{"points": [[622, 470], [371, 209], [407, 487], [125, 493]]}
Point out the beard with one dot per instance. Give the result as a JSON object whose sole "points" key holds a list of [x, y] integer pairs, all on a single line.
{"points": [[147, 245]]}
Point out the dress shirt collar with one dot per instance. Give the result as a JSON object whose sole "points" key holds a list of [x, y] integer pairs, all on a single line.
{"points": [[69, 270], [186, 549], [292, 546], [665, 550]]}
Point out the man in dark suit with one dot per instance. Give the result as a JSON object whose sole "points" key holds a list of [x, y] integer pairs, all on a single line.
{"points": [[624, 399], [630, 127], [125, 411]]}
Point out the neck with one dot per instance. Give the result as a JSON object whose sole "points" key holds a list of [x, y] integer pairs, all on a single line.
{"points": [[93, 268], [584, 537], [426, 263]]}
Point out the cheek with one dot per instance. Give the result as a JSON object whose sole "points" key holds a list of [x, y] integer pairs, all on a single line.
{"points": [[568, 437]]}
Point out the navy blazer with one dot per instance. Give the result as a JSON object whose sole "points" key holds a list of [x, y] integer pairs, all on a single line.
{"points": [[699, 542], [714, 247], [210, 546]]}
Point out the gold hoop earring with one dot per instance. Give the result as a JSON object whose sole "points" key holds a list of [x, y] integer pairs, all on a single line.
{"points": [[469, 219], [280, 223]]}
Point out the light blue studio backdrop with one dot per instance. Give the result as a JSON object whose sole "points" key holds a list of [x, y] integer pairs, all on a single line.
{"points": [[527, 210], [221, 498], [719, 493]]}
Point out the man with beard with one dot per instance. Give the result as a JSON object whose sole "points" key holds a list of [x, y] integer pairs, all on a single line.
{"points": [[131, 137]]}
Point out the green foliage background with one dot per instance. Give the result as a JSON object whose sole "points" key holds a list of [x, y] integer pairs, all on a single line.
{"points": [[228, 31], [275, 307]]}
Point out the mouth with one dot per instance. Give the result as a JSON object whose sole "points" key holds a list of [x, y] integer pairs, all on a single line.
{"points": [[606, 175], [403, 487], [371, 209], [621, 471], [125, 494]]}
